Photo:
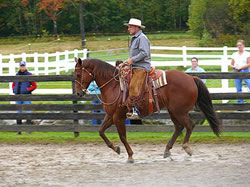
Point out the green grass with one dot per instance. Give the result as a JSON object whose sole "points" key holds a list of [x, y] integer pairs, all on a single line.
{"points": [[133, 137]]}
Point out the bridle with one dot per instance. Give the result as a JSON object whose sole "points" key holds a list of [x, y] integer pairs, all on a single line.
{"points": [[85, 90], [81, 83]]}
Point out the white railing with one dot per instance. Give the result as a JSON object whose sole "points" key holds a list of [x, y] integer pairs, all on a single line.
{"points": [[223, 59], [45, 64], [41, 64]]}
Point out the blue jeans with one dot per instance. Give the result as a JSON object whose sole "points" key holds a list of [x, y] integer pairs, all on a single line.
{"points": [[238, 84], [95, 121], [23, 102]]}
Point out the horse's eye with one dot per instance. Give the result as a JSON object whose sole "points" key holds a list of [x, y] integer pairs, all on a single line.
{"points": [[78, 76]]}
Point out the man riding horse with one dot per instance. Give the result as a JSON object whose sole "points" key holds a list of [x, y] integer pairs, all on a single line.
{"points": [[140, 61]]}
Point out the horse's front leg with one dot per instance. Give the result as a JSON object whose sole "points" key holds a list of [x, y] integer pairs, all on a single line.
{"points": [[107, 122], [121, 128]]}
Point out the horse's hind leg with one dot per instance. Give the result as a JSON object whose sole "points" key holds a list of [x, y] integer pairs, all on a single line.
{"points": [[185, 121], [189, 125], [177, 132], [107, 122]]}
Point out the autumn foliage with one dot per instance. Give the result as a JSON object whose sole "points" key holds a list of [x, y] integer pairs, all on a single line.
{"points": [[51, 7]]}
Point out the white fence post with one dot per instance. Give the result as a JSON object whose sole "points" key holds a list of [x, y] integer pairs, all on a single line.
{"points": [[85, 53], [24, 57], [46, 63], [184, 52], [1, 67], [66, 60], [36, 65], [76, 53], [224, 67], [57, 63], [12, 70]]}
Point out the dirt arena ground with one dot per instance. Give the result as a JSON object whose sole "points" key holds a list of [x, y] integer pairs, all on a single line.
{"points": [[96, 165]]}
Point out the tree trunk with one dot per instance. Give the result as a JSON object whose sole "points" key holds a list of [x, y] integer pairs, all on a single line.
{"points": [[55, 28], [81, 23]]}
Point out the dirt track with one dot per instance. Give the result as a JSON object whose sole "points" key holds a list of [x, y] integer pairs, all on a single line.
{"points": [[96, 165]]}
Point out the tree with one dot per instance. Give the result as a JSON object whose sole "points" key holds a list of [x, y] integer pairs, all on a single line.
{"points": [[53, 8], [81, 23], [81, 20], [197, 11], [217, 18], [241, 15]]}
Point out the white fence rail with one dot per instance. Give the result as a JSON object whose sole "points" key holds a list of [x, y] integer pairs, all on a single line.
{"points": [[55, 63]]}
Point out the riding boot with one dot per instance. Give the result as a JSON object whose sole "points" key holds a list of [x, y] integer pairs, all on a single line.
{"points": [[19, 122], [133, 112], [135, 88]]}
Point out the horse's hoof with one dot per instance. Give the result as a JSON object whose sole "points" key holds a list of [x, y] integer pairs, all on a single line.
{"points": [[130, 161], [118, 150], [188, 150], [166, 154]]}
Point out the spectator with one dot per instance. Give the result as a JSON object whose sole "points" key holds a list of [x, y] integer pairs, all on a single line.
{"points": [[195, 67], [241, 63], [23, 88], [93, 89]]}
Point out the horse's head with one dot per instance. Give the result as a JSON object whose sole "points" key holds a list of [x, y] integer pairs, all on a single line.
{"points": [[83, 76]]}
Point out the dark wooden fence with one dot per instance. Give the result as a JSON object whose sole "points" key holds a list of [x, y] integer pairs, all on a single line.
{"points": [[76, 111]]}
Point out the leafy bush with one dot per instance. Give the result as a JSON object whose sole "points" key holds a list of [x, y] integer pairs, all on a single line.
{"points": [[206, 40], [227, 40]]}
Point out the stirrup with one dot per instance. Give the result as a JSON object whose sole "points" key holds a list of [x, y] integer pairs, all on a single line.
{"points": [[133, 115]]}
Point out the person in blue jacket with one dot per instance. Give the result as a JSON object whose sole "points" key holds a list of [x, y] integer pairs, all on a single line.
{"points": [[93, 89], [23, 88], [195, 67]]}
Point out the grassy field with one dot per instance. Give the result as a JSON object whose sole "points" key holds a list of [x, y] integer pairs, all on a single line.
{"points": [[133, 137], [43, 45]]}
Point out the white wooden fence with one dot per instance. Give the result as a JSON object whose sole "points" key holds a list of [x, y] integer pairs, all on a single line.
{"points": [[55, 63]]}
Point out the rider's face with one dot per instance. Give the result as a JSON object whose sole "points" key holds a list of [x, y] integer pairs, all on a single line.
{"points": [[132, 29]]}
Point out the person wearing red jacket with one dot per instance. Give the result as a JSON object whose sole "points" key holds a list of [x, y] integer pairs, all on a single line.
{"points": [[23, 88]]}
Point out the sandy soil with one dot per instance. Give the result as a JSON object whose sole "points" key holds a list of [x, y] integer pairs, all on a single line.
{"points": [[96, 165]]}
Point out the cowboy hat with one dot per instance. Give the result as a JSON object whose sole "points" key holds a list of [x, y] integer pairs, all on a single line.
{"points": [[135, 22]]}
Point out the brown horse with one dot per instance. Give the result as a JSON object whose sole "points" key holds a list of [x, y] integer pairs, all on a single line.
{"points": [[179, 96]]}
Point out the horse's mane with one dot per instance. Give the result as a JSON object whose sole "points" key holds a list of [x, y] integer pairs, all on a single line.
{"points": [[99, 67]]}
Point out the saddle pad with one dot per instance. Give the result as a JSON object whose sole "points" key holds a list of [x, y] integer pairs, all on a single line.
{"points": [[160, 81]]}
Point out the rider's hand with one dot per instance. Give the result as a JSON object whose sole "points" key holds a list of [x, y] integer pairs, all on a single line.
{"points": [[129, 61], [126, 63]]}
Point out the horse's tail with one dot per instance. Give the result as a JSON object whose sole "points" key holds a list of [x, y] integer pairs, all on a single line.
{"points": [[204, 102]]}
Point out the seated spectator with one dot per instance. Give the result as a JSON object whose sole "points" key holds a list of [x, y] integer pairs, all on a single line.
{"points": [[195, 67]]}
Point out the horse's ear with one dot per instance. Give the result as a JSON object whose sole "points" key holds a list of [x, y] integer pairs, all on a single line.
{"points": [[80, 61], [76, 60], [118, 62]]}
